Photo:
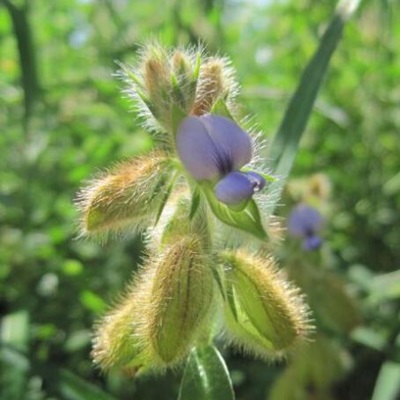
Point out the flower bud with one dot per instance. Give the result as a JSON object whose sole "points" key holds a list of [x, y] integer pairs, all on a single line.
{"points": [[304, 221], [129, 194], [215, 82], [180, 300], [116, 343], [185, 71], [264, 314]]}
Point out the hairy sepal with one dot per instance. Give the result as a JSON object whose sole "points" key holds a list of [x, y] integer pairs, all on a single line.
{"points": [[248, 219]]}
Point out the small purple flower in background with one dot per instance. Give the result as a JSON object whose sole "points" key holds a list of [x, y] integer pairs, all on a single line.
{"points": [[214, 148], [304, 222]]}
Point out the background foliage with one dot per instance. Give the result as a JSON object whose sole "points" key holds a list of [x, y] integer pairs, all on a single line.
{"points": [[62, 118]]}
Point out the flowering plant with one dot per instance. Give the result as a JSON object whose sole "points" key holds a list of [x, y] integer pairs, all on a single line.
{"points": [[203, 176], [207, 205]]}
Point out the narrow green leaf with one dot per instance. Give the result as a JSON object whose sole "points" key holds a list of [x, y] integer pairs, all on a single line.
{"points": [[248, 219], [286, 141], [164, 197], [387, 386], [206, 376], [220, 108]]}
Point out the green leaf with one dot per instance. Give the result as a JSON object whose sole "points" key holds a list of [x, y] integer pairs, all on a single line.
{"points": [[206, 376], [248, 219], [164, 197], [387, 386], [384, 287], [14, 367], [72, 387], [195, 202], [15, 330], [220, 108], [286, 141]]}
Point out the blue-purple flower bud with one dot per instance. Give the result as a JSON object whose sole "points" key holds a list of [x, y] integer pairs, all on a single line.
{"points": [[305, 221], [211, 146]]}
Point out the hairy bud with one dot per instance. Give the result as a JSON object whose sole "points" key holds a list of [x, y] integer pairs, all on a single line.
{"points": [[116, 343], [264, 314], [215, 83], [129, 194], [180, 300]]}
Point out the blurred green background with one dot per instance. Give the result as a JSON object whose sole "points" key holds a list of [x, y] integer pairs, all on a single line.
{"points": [[62, 118]]}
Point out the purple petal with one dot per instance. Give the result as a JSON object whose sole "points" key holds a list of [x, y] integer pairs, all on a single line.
{"points": [[304, 221], [211, 146], [234, 188], [256, 179], [312, 242]]}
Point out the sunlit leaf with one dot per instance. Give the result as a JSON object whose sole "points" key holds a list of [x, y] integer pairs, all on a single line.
{"points": [[387, 386], [206, 377]]}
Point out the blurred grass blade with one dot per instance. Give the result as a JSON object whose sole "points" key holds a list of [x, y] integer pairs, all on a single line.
{"points": [[387, 386], [26, 50], [206, 377], [286, 141], [71, 387]]}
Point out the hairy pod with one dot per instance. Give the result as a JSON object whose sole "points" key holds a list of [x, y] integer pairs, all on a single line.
{"points": [[264, 314], [115, 343], [129, 195], [180, 300]]}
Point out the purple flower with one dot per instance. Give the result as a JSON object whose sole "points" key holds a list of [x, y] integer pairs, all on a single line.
{"points": [[214, 148], [304, 222]]}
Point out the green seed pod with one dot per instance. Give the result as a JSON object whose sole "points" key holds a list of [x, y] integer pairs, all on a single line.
{"points": [[180, 300], [129, 195], [265, 315], [333, 307]]}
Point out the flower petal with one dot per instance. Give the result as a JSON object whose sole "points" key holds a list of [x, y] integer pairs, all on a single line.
{"points": [[211, 146], [304, 220], [234, 188], [257, 180], [312, 242]]}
